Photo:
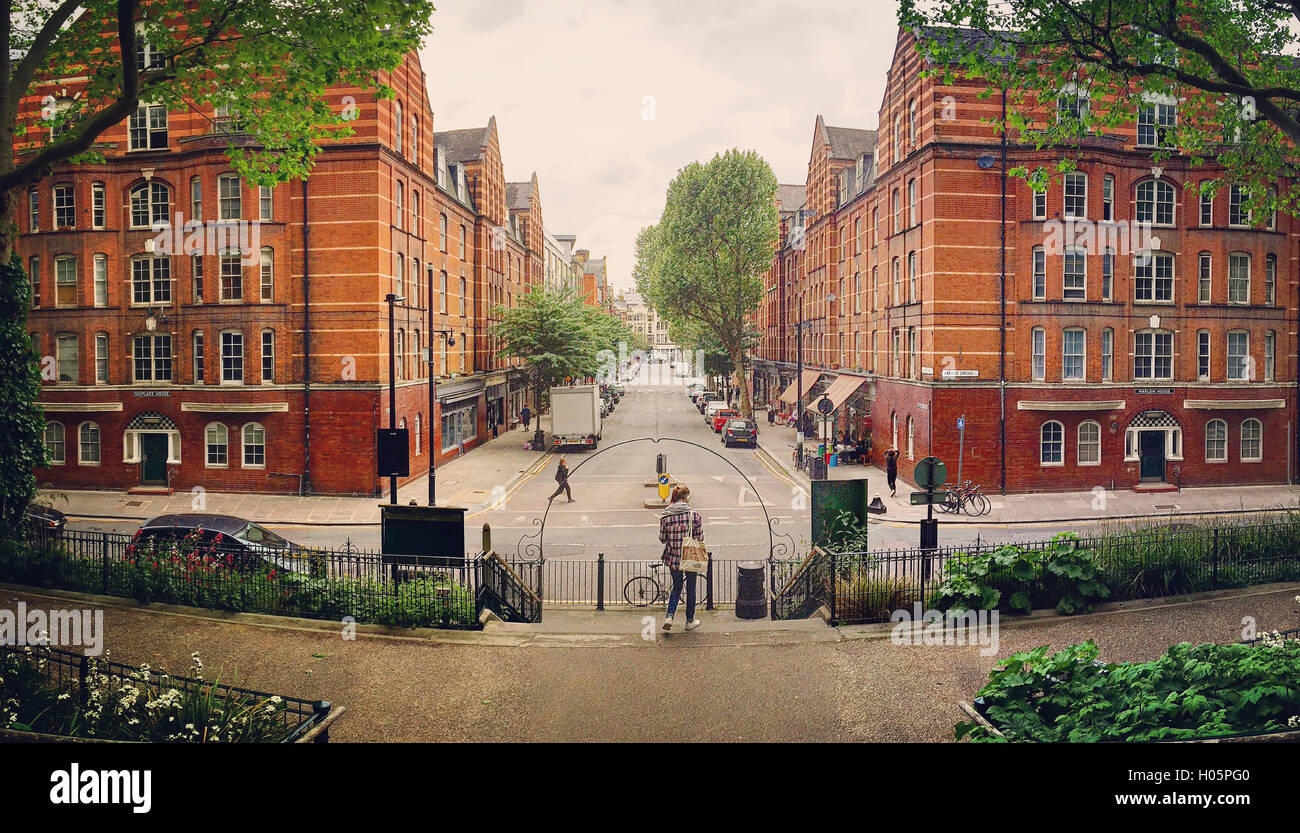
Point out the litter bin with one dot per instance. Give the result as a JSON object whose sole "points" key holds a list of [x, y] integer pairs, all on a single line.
{"points": [[751, 600], [817, 471]]}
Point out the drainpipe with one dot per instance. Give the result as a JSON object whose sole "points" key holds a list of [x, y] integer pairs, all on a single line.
{"points": [[304, 487], [1296, 445], [1002, 306]]}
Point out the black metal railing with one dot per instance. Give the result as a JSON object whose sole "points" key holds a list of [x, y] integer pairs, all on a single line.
{"points": [[609, 582], [80, 676]]}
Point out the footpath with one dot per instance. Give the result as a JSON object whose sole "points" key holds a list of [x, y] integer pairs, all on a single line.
{"points": [[497, 465], [1100, 504]]}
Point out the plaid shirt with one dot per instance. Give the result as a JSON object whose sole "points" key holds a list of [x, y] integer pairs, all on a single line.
{"points": [[673, 529]]}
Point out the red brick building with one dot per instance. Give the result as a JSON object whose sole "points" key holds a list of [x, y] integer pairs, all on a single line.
{"points": [[260, 363], [1125, 332]]}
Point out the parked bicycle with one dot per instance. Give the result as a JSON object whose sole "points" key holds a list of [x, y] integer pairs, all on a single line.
{"points": [[643, 591], [968, 498]]}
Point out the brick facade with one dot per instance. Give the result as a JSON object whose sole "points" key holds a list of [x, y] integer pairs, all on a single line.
{"points": [[1105, 356]]}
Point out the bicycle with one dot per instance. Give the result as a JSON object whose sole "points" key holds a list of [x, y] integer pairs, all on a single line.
{"points": [[643, 591], [967, 498]]}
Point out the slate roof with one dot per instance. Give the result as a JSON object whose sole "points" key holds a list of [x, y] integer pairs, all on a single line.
{"points": [[850, 142], [462, 145]]}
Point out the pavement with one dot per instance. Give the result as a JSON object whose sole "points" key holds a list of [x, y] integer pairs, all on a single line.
{"points": [[721, 683], [467, 481], [1096, 506]]}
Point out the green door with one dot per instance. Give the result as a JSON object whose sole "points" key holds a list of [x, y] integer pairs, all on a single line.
{"points": [[153, 459], [1153, 455]]}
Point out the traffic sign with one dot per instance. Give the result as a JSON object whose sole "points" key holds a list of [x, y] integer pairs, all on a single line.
{"points": [[663, 486], [961, 423], [922, 498], [825, 405], [930, 473]]}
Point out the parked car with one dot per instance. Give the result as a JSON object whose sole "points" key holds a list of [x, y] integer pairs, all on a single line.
{"points": [[740, 432], [254, 542], [619, 389], [721, 416], [713, 406], [693, 390], [45, 520], [705, 398]]}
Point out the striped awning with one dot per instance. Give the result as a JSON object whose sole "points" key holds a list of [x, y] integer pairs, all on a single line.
{"points": [[839, 391], [810, 378]]}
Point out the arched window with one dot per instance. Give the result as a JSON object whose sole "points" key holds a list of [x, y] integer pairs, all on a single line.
{"points": [[88, 444], [1252, 441], [1155, 202], [1089, 443], [254, 445], [1216, 441], [54, 443], [1051, 446], [150, 203], [911, 439], [397, 126], [217, 439]]}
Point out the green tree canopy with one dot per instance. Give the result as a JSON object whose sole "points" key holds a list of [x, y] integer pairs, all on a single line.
{"points": [[702, 263], [1231, 67]]}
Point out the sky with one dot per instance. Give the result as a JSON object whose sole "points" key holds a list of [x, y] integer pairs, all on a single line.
{"points": [[607, 99]]}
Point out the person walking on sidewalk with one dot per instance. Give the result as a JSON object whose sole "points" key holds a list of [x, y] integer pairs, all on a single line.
{"points": [[677, 523], [891, 470], [561, 477], [526, 416]]}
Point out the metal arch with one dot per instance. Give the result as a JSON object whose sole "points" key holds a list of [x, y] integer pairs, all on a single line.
{"points": [[533, 548]]}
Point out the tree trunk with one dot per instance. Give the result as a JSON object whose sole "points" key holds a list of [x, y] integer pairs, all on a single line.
{"points": [[746, 400]]}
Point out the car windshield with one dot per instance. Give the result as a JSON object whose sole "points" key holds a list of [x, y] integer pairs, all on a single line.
{"points": [[261, 536], [738, 423]]}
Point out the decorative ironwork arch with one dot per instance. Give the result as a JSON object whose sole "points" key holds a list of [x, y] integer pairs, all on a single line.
{"points": [[533, 549]]}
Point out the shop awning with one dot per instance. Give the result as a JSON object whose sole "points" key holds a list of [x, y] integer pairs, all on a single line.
{"points": [[810, 378], [839, 391]]}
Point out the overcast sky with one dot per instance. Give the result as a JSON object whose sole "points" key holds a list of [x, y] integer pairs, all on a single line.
{"points": [[567, 81]]}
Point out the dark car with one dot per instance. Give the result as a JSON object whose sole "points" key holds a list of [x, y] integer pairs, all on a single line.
{"points": [[740, 432], [45, 520], [231, 534]]}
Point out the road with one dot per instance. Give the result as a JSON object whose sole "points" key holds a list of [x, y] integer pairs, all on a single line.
{"points": [[730, 487]]}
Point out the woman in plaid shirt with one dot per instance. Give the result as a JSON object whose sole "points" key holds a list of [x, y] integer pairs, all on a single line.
{"points": [[678, 522]]}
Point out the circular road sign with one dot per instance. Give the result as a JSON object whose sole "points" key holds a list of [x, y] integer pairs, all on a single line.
{"points": [[663, 487], [930, 473], [825, 405]]}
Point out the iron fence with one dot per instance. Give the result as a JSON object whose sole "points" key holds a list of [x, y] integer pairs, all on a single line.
{"points": [[80, 676], [605, 582]]}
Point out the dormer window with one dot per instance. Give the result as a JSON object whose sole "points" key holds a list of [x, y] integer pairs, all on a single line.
{"points": [[1072, 103], [147, 55], [1156, 121]]}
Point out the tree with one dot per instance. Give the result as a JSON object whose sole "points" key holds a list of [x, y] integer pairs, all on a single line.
{"points": [[702, 263], [555, 334], [269, 63], [1229, 64]]}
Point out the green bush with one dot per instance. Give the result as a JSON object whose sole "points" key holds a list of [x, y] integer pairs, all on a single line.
{"points": [[1193, 691]]}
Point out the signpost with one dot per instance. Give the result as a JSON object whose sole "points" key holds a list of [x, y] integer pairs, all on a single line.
{"points": [[961, 445], [930, 474], [663, 486]]}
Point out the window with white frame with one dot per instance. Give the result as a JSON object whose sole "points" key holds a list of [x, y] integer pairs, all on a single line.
{"points": [[1051, 444], [913, 278], [65, 281], [1238, 215], [1089, 450], [196, 278], [151, 280], [196, 199], [1239, 361], [1270, 280], [1270, 355], [1040, 205], [1108, 275], [1205, 280], [100, 279], [67, 358], [268, 357], [65, 206], [1038, 352], [898, 282], [150, 205], [1203, 355], [254, 442], [1238, 278], [1153, 277], [232, 275], [898, 212], [1072, 354], [898, 352], [1155, 202], [152, 358], [267, 258], [88, 444], [101, 358], [147, 128], [1076, 194], [1040, 273], [33, 210], [1156, 120], [442, 232], [1108, 197], [230, 197], [913, 204], [1207, 204], [911, 438], [1074, 280], [397, 126], [265, 203], [197, 356], [54, 443], [232, 357], [398, 204], [1216, 441], [216, 438], [1153, 354], [1252, 441], [1107, 354]]}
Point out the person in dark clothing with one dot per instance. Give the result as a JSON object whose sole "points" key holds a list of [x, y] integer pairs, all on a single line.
{"points": [[891, 470], [771, 416], [562, 478], [527, 416]]}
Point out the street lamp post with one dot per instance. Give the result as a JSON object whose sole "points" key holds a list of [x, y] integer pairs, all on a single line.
{"points": [[449, 337], [392, 383]]}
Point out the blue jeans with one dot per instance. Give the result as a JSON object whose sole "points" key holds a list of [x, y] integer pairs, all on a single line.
{"points": [[680, 577]]}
